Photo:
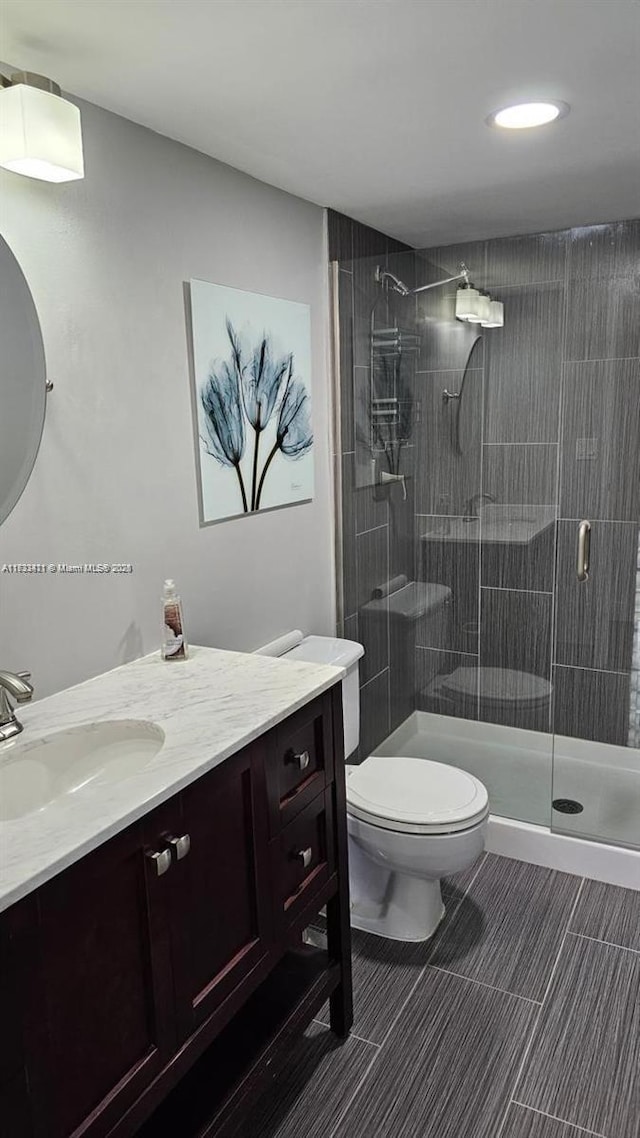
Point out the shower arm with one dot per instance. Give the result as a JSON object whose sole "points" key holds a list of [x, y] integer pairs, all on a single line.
{"points": [[384, 277]]}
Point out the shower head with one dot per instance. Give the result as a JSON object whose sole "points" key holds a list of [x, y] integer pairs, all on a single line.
{"points": [[390, 280]]}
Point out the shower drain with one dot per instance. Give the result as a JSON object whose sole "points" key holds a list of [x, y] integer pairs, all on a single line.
{"points": [[567, 806]]}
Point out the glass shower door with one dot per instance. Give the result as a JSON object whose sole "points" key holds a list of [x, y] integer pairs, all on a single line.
{"points": [[596, 708]]}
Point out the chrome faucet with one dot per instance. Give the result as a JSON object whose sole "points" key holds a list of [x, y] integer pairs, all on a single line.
{"points": [[17, 685]]}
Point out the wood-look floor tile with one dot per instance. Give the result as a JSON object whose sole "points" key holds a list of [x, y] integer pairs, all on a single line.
{"points": [[448, 1067], [313, 1089], [458, 883], [584, 1063], [384, 972], [610, 913], [508, 929], [521, 1122]]}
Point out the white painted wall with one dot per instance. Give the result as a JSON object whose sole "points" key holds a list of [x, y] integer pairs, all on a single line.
{"points": [[115, 479]]}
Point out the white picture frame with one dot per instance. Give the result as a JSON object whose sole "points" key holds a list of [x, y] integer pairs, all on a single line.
{"points": [[251, 377]]}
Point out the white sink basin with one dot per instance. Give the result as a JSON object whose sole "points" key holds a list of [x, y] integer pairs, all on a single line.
{"points": [[36, 773]]}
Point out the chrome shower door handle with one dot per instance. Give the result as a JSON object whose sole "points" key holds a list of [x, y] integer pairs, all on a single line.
{"points": [[584, 549]]}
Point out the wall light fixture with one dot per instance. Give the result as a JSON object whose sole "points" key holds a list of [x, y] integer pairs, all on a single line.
{"points": [[495, 316], [40, 132]]}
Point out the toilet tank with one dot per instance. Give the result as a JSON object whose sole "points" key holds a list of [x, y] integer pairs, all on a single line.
{"points": [[341, 654]]}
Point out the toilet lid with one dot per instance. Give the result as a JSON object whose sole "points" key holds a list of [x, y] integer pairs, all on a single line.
{"points": [[498, 686], [415, 796]]}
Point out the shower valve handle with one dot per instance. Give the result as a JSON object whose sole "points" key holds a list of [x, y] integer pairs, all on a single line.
{"points": [[386, 478]]}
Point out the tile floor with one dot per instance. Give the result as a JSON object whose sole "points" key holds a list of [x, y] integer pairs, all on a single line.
{"points": [[520, 1020]]}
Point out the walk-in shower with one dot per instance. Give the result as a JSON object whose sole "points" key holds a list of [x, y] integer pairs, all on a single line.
{"points": [[479, 468]]}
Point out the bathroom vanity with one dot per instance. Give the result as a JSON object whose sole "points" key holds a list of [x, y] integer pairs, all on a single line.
{"points": [[153, 969]]}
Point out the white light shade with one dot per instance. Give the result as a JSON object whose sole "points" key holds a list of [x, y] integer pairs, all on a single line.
{"points": [[522, 116], [495, 316], [482, 309], [40, 134], [467, 303]]}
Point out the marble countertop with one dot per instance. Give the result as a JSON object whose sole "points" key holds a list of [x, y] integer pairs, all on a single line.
{"points": [[208, 707]]}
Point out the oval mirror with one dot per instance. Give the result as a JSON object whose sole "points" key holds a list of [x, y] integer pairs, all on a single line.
{"points": [[22, 381], [467, 417]]}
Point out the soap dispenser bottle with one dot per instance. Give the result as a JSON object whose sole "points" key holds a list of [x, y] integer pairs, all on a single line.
{"points": [[174, 641]]}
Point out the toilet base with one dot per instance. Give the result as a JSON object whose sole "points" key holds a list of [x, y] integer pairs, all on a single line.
{"points": [[394, 876], [409, 909]]}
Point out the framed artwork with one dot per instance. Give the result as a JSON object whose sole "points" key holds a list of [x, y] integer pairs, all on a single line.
{"points": [[252, 400]]}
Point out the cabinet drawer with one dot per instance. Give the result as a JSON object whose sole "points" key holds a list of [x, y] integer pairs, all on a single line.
{"points": [[300, 762], [302, 858]]}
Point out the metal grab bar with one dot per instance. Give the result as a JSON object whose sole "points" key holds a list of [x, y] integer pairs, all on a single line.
{"points": [[584, 549]]}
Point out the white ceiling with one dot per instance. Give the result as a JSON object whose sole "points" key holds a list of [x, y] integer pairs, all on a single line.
{"points": [[374, 107]]}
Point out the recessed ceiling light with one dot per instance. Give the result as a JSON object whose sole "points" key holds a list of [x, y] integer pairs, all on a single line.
{"points": [[524, 115]]}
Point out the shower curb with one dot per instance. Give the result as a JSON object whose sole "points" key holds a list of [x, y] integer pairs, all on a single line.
{"points": [[524, 841]]}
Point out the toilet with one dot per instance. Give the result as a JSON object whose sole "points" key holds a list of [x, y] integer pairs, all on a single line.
{"points": [[411, 821]]}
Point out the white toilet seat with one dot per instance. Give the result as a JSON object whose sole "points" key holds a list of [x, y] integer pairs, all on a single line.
{"points": [[415, 796], [498, 687]]}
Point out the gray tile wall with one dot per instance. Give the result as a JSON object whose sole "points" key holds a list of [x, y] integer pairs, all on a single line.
{"points": [[377, 523]]}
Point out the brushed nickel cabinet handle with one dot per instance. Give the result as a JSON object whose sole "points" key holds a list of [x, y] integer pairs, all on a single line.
{"points": [[584, 550], [300, 759], [161, 859], [304, 856], [180, 846]]}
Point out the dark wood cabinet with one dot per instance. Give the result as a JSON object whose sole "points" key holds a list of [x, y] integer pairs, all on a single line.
{"points": [[103, 1026], [16, 963], [121, 976], [221, 911]]}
